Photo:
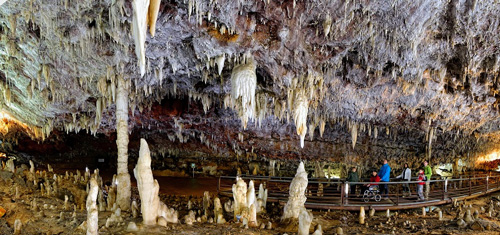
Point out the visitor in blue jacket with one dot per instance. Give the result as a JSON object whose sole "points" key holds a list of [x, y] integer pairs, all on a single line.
{"points": [[385, 175]]}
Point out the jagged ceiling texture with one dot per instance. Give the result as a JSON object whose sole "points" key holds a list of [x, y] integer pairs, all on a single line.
{"points": [[385, 77]]}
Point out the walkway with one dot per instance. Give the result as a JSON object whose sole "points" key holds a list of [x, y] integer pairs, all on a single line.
{"points": [[442, 191]]}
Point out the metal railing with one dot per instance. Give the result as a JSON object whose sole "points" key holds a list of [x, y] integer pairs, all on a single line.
{"points": [[325, 193]]}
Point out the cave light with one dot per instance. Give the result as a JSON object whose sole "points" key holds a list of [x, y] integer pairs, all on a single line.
{"points": [[489, 157]]}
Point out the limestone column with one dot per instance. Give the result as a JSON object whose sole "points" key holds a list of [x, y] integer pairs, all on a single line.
{"points": [[123, 177]]}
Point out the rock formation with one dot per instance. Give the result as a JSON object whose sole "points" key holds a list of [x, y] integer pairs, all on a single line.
{"points": [[151, 206], [92, 211], [305, 219], [123, 177], [240, 197], [297, 197]]}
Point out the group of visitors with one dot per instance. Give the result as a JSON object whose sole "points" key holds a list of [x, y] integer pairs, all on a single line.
{"points": [[384, 174]]}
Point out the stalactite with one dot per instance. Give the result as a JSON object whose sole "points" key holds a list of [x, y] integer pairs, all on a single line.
{"points": [[154, 7], [139, 27], [301, 107], [220, 63], [243, 84], [354, 134], [326, 25]]}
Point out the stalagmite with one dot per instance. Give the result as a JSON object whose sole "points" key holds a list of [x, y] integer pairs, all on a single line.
{"points": [[218, 213], [250, 194], [243, 84], [32, 167], [240, 197], [228, 206], [17, 226], [148, 187], [301, 107], [123, 177], [206, 202], [305, 219], [468, 216], [252, 216], [388, 213], [296, 198], [154, 7], [135, 209], [10, 166], [66, 205], [319, 230], [139, 28], [340, 231], [361, 215], [440, 215], [262, 196], [423, 211], [92, 212]]}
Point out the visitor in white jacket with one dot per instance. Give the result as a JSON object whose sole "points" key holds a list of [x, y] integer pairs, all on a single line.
{"points": [[406, 175]]}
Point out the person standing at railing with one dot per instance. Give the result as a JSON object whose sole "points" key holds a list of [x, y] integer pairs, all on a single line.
{"points": [[406, 175], [420, 185], [353, 177], [428, 174], [385, 174]]}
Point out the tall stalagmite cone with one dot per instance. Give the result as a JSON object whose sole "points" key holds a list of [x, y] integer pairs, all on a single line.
{"points": [[361, 215], [123, 178], [297, 197], [423, 211], [147, 185], [92, 211]]}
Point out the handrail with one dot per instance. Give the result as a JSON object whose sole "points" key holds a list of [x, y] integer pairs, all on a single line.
{"points": [[333, 193]]}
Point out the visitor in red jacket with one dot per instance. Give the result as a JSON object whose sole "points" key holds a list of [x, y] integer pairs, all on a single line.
{"points": [[373, 178], [420, 185]]}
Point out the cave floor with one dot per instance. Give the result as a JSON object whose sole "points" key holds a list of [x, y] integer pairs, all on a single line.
{"points": [[50, 217]]}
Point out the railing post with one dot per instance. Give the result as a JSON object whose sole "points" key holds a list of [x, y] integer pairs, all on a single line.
{"points": [[342, 194], [470, 186], [487, 182], [397, 194], [444, 188], [218, 186]]}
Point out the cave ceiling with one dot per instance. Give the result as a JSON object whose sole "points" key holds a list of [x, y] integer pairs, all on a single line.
{"points": [[385, 78]]}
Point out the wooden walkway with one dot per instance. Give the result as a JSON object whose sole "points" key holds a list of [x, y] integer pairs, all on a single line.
{"points": [[330, 197]]}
